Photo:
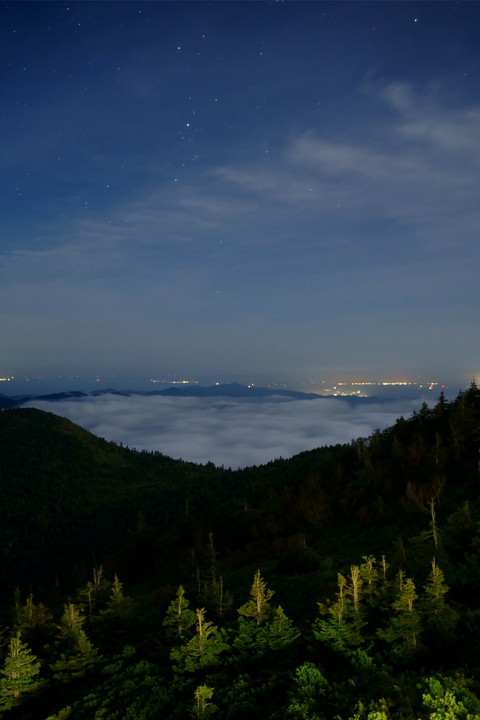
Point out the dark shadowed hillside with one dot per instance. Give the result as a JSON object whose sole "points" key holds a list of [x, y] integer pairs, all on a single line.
{"points": [[68, 495]]}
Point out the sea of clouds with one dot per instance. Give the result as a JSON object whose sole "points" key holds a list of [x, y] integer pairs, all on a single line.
{"points": [[229, 431]]}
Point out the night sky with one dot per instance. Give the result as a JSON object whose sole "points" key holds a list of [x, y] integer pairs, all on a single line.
{"points": [[240, 187]]}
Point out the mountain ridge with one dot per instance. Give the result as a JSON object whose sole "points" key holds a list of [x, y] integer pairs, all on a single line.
{"points": [[233, 390]]}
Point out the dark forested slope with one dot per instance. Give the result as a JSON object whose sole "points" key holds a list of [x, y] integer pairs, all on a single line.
{"points": [[68, 496], [343, 584]]}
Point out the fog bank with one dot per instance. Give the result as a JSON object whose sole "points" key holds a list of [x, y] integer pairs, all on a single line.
{"points": [[230, 432]]}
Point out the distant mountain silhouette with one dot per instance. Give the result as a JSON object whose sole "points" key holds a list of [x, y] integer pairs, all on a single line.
{"points": [[233, 390], [230, 390]]}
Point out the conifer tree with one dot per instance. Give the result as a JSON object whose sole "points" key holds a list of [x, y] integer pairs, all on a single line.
{"points": [[369, 575], [92, 595], [281, 630], [203, 708], [203, 649], [211, 590], [30, 617], [78, 652], [253, 635], [385, 567], [439, 617], [309, 689], [340, 625], [447, 699], [258, 607], [222, 599], [118, 605], [20, 674], [375, 711], [88, 598], [356, 584], [403, 629], [179, 618]]}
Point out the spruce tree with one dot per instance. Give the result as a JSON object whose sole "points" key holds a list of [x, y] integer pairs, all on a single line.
{"points": [[370, 576], [32, 618], [403, 629], [203, 649], [203, 708], [439, 617], [20, 674], [252, 638], [447, 699], [119, 606], [77, 653], [306, 699], [341, 622], [179, 618], [281, 630], [258, 607]]}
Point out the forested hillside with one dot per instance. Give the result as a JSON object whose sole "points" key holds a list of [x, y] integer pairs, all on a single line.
{"points": [[341, 584]]}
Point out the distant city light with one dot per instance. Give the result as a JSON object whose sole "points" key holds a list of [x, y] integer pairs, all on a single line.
{"points": [[175, 382]]}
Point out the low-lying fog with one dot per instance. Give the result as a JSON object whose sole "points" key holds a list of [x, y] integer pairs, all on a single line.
{"points": [[229, 431]]}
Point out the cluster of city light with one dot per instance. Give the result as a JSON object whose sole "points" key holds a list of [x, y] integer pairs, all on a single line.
{"points": [[390, 382], [174, 382], [321, 387], [350, 387]]}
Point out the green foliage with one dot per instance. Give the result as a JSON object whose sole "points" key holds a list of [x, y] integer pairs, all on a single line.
{"points": [[63, 714], [404, 627], [305, 700], [253, 641], [250, 695], [77, 653], [203, 708], [20, 674], [211, 589], [341, 623], [445, 699], [31, 617], [127, 688], [440, 619], [281, 631], [203, 649], [258, 608], [179, 618], [261, 629], [375, 711], [119, 606]]}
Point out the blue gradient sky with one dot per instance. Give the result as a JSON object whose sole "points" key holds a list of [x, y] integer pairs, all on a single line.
{"points": [[230, 187]]}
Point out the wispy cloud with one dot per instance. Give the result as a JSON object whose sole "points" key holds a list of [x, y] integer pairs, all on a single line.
{"points": [[313, 242], [420, 170], [426, 117]]}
